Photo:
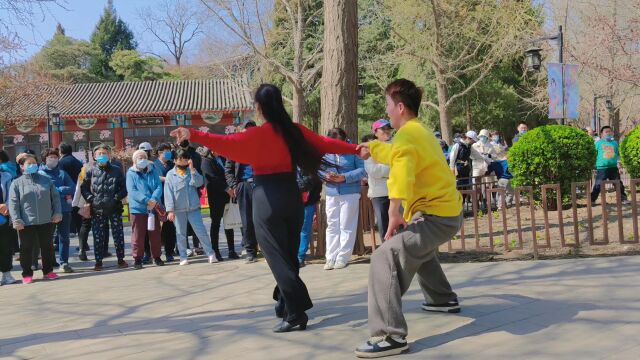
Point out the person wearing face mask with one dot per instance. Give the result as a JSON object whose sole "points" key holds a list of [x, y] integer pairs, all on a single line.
{"points": [[482, 155], [485, 148], [522, 129], [34, 207], [183, 204], [197, 164], [65, 187], [145, 190], [104, 188], [163, 164], [499, 145], [607, 159]]}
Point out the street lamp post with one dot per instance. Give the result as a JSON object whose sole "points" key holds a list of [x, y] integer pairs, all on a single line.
{"points": [[595, 123], [534, 59], [53, 118]]}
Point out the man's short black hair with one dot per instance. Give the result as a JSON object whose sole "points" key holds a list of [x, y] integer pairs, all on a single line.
{"points": [[368, 137], [65, 149], [250, 124], [102, 146], [4, 156], [406, 92], [523, 123], [604, 128], [183, 154]]}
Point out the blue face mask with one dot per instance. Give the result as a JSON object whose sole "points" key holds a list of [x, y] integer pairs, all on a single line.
{"points": [[168, 155], [142, 163], [522, 131], [609, 137], [102, 159], [31, 169]]}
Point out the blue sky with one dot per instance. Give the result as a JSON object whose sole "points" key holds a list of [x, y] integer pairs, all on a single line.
{"points": [[79, 18]]}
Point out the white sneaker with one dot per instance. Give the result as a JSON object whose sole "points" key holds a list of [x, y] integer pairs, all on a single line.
{"points": [[329, 265], [212, 259], [340, 265], [184, 262], [7, 279], [190, 253]]}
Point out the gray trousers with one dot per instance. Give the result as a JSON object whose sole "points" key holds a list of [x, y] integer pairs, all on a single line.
{"points": [[395, 262]]}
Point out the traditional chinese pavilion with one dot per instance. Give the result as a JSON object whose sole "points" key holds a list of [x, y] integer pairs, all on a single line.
{"points": [[124, 114]]}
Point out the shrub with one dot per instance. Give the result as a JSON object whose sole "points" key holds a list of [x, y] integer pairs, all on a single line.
{"points": [[552, 154], [630, 153]]}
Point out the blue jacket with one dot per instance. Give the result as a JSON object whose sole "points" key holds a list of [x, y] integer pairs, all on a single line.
{"points": [[142, 187], [64, 185], [181, 192], [351, 166], [11, 168]]}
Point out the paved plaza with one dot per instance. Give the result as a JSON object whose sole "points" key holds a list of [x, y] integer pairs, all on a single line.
{"points": [[561, 309]]}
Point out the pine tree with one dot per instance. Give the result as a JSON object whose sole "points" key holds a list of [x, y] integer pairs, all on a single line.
{"points": [[111, 34]]}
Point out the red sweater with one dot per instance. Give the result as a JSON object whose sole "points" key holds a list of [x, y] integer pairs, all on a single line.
{"points": [[264, 149]]}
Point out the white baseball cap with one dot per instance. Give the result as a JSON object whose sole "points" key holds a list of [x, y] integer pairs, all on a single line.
{"points": [[145, 146], [472, 135]]}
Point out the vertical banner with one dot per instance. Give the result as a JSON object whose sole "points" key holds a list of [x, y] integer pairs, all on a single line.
{"points": [[571, 91], [554, 89], [563, 100]]}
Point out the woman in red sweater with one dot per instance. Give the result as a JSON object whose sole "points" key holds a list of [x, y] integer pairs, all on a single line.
{"points": [[275, 150]]}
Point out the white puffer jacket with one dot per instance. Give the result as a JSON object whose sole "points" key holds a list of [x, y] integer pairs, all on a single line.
{"points": [[378, 175]]}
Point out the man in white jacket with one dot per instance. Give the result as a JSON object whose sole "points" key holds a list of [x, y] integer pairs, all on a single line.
{"points": [[378, 175]]}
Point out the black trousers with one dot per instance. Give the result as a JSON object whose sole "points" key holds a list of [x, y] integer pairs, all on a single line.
{"points": [[40, 236], [168, 238], [76, 220], [381, 211], [217, 202], [83, 234], [278, 217], [606, 174], [245, 203], [7, 238]]}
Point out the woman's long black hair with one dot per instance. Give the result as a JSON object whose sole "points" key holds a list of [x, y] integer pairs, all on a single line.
{"points": [[303, 154]]}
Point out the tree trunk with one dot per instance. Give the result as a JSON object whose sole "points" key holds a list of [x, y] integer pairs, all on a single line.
{"points": [[443, 97], [339, 85], [468, 115], [298, 103]]}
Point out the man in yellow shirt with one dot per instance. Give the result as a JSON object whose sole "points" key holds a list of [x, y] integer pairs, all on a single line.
{"points": [[419, 181]]}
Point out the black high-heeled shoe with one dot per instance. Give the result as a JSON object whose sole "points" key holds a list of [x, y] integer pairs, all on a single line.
{"points": [[285, 326]]}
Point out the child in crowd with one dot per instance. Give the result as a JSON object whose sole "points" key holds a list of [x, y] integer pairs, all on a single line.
{"points": [[183, 204]]}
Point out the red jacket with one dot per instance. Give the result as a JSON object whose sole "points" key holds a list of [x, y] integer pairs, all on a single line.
{"points": [[264, 149]]}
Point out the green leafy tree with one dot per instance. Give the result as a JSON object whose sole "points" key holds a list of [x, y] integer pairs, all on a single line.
{"points": [[111, 34], [131, 66], [66, 59]]}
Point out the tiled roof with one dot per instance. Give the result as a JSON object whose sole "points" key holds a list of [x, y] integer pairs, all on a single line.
{"points": [[141, 98]]}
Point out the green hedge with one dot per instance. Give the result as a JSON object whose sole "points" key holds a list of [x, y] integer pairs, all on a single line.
{"points": [[552, 154], [630, 153]]}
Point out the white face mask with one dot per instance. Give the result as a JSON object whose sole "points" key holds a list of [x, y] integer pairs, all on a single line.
{"points": [[142, 164]]}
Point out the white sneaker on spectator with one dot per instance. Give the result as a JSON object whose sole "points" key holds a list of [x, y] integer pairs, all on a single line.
{"points": [[7, 279], [212, 259], [329, 265], [184, 262], [190, 253], [340, 265]]}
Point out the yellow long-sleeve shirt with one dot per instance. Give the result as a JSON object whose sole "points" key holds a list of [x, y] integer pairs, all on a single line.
{"points": [[419, 173]]}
